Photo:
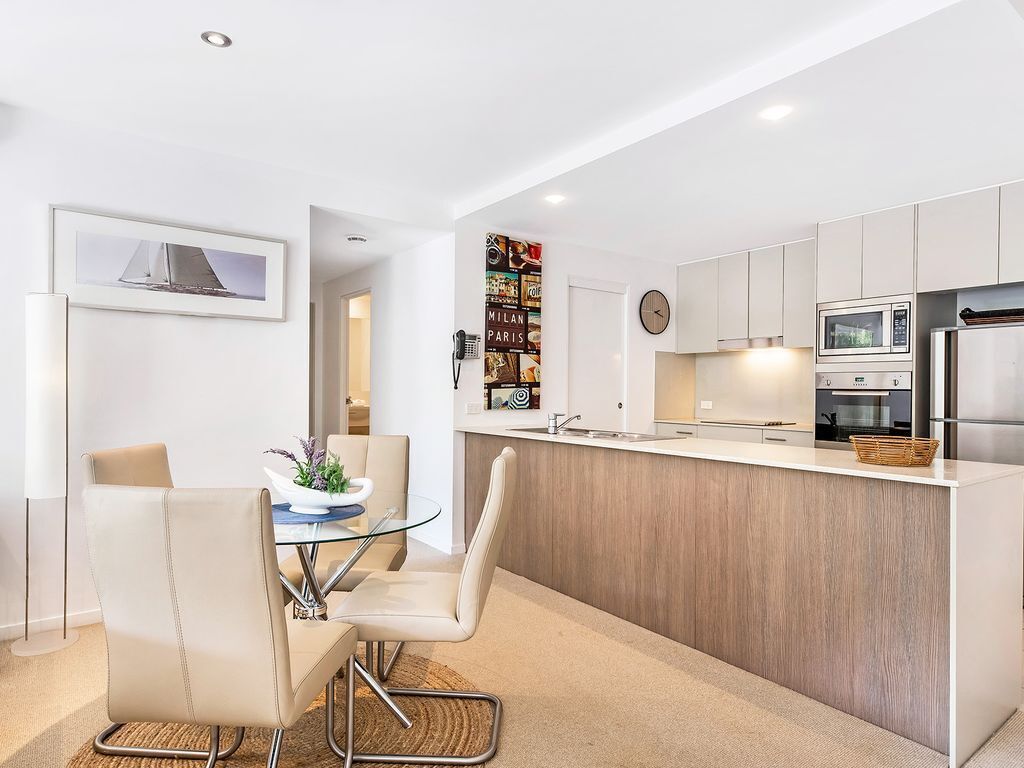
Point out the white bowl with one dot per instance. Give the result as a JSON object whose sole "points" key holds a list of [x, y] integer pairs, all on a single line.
{"points": [[307, 501]]}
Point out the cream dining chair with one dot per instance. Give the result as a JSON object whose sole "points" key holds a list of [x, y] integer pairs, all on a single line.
{"points": [[385, 460], [436, 607], [181, 652], [139, 465]]}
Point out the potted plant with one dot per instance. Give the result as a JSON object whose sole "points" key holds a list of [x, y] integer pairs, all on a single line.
{"points": [[319, 483]]}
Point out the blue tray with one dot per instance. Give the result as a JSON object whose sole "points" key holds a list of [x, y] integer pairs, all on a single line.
{"points": [[284, 516]]}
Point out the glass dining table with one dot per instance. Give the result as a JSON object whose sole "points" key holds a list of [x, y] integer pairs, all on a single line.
{"points": [[383, 513]]}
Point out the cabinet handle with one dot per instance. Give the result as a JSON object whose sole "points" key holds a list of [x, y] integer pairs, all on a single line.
{"points": [[680, 432], [777, 439]]}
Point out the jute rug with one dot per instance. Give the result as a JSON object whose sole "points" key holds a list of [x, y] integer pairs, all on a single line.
{"points": [[440, 726]]}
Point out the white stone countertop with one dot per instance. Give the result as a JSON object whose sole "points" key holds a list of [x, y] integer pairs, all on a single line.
{"points": [[706, 423], [839, 462]]}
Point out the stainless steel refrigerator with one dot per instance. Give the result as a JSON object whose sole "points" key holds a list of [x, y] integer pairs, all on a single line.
{"points": [[977, 392]]}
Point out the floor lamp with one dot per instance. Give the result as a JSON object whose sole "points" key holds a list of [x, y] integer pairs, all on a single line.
{"points": [[46, 440]]}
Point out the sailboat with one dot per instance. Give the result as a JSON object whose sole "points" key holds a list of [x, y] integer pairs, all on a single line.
{"points": [[172, 267]]}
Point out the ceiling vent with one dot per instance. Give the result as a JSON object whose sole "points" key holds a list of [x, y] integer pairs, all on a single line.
{"points": [[356, 238]]}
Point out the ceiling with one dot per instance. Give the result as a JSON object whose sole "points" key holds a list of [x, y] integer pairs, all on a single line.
{"points": [[447, 99], [332, 255], [931, 109]]}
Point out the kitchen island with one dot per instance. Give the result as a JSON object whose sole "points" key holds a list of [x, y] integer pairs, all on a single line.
{"points": [[893, 594]]}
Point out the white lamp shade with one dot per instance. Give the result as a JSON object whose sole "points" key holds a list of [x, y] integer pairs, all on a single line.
{"points": [[46, 395]]}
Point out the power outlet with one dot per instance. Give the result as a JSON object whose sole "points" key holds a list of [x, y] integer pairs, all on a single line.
{"points": [[705, 405], [474, 409]]}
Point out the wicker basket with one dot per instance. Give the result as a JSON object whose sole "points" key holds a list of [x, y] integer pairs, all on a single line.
{"points": [[895, 451]]}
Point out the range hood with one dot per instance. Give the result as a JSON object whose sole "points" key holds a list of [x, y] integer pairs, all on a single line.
{"points": [[757, 342]]}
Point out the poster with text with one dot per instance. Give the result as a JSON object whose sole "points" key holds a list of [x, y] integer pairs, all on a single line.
{"points": [[512, 324]]}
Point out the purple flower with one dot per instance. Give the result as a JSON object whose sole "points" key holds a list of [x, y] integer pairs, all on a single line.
{"points": [[308, 446], [281, 452], [319, 481], [318, 458]]}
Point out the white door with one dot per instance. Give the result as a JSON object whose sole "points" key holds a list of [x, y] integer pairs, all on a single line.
{"points": [[597, 352]]}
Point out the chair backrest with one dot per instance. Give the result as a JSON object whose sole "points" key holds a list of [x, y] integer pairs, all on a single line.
{"points": [[139, 465], [191, 603], [382, 458], [482, 557]]}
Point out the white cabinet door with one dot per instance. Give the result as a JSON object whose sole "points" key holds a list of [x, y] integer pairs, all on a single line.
{"points": [[733, 296], [787, 437], [958, 241], [888, 261], [736, 434], [697, 307], [1011, 233], [798, 315], [765, 286], [675, 430], [839, 260]]}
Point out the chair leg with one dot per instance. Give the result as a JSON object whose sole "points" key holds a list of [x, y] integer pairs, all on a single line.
{"points": [[211, 755], [384, 668], [483, 757], [348, 753], [275, 748]]}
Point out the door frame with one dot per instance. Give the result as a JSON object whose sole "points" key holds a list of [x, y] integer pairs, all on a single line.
{"points": [[607, 286]]}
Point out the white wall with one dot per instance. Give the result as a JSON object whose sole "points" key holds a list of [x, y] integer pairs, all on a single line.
{"points": [[410, 365], [217, 391], [560, 260]]}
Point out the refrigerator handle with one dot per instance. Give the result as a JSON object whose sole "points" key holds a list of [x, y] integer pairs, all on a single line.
{"points": [[938, 378]]}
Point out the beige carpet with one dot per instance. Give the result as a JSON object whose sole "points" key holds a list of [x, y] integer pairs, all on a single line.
{"points": [[580, 687]]}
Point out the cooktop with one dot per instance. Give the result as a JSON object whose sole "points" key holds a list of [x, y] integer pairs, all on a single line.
{"points": [[749, 422]]}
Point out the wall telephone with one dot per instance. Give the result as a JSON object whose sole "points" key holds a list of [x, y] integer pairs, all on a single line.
{"points": [[466, 346]]}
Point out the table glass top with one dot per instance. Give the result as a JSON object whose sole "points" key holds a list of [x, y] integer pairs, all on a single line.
{"points": [[386, 512]]}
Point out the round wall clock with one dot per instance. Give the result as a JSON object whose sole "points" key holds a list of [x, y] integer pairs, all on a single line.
{"points": [[654, 312]]}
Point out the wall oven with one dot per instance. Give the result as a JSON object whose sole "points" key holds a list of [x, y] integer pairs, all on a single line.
{"points": [[861, 404], [864, 331]]}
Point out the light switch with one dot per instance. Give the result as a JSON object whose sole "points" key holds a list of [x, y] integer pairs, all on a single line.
{"points": [[474, 408], [705, 405]]}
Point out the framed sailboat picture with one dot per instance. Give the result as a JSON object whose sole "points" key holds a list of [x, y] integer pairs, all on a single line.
{"points": [[111, 262]]}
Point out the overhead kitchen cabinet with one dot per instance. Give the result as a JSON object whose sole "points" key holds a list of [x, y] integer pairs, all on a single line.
{"points": [[1011, 233], [840, 259], [958, 241], [888, 252], [798, 310], [697, 306], [765, 286], [733, 296]]}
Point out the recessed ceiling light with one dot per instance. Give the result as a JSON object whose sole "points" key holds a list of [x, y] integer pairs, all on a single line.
{"points": [[216, 39], [777, 112], [555, 199], [357, 238]]}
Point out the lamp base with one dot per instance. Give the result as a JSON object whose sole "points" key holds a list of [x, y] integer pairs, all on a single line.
{"points": [[43, 642]]}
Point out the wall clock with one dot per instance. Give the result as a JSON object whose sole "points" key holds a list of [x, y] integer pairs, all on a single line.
{"points": [[654, 312]]}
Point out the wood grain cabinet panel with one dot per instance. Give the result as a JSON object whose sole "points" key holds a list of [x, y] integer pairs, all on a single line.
{"points": [[833, 586]]}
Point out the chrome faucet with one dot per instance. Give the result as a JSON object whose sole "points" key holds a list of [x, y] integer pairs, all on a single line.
{"points": [[554, 426]]}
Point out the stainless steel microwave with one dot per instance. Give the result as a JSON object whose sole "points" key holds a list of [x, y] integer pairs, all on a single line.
{"points": [[864, 331]]}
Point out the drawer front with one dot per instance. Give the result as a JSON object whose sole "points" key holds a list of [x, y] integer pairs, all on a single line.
{"points": [[738, 434], [675, 430], [787, 437]]}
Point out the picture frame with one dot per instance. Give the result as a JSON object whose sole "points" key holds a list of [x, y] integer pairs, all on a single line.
{"points": [[107, 261]]}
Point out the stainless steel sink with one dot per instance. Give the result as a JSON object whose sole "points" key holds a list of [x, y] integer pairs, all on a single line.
{"points": [[625, 437]]}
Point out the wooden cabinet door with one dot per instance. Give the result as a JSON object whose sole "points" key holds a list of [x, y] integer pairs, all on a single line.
{"points": [[1011, 233], [958, 241], [765, 288], [733, 296], [798, 311], [839, 259], [697, 307], [888, 268]]}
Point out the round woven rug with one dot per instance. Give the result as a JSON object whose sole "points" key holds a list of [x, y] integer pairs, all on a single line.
{"points": [[440, 726]]}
